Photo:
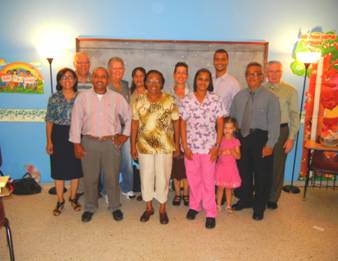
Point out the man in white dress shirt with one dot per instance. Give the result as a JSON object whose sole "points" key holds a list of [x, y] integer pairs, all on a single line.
{"points": [[225, 85]]}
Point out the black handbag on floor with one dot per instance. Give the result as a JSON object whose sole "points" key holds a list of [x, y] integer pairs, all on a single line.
{"points": [[26, 185]]}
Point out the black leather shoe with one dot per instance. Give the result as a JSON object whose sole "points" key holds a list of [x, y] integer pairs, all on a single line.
{"points": [[87, 216], [258, 216], [241, 205], [210, 222], [272, 205], [164, 218], [191, 214], [118, 215], [146, 215]]}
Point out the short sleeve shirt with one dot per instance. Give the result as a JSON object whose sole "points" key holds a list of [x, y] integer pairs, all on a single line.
{"points": [[59, 109], [156, 132], [201, 121]]}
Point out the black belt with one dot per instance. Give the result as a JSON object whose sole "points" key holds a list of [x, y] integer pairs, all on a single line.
{"points": [[283, 125], [255, 130]]}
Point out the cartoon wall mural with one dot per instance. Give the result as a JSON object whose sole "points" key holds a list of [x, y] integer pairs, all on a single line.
{"points": [[20, 77], [321, 106]]}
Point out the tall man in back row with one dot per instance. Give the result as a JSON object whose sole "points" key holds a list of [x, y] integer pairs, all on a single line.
{"points": [[288, 100], [225, 85], [116, 71], [82, 68], [81, 64], [258, 114]]}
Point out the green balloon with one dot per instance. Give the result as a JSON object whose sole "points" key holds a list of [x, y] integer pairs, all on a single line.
{"points": [[297, 68]]}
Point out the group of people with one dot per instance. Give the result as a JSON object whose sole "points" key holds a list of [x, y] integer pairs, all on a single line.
{"points": [[217, 134]]}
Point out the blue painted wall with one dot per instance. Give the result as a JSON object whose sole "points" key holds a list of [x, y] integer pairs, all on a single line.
{"points": [[277, 22]]}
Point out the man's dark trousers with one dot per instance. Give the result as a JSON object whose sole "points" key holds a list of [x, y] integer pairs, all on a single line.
{"points": [[255, 171]]}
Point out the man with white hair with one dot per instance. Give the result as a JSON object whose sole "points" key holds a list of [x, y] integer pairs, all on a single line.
{"points": [[116, 70], [82, 66], [288, 100]]}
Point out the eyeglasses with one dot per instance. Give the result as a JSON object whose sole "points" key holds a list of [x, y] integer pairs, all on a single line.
{"points": [[254, 74], [153, 82], [67, 77]]}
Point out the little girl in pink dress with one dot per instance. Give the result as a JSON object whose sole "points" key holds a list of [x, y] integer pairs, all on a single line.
{"points": [[227, 175]]}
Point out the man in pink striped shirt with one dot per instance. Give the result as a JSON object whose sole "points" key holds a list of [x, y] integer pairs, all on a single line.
{"points": [[95, 116]]}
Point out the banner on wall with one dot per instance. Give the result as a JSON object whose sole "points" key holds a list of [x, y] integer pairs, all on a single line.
{"points": [[321, 105], [22, 115], [20, 77]]}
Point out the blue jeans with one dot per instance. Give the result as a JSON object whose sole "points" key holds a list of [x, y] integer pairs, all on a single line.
{"points": [[126, 170]]}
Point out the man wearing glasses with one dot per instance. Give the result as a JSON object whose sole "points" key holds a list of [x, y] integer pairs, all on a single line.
{"points": [[258, 114], [288, 99]]}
